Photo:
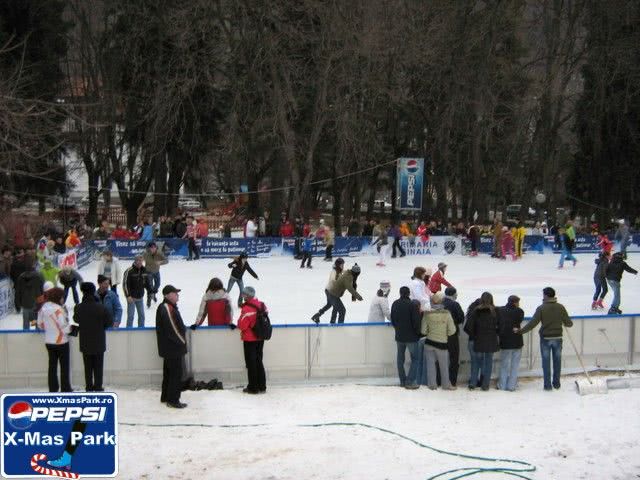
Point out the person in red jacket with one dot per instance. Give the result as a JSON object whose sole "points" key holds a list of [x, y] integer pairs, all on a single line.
{"points": [[253, 346], [423, 232], [120, 233], [437, 279], [215, 305], [605, 244], [286, 228]]}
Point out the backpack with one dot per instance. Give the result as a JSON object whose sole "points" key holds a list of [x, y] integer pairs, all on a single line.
{"points": [[262, 328]]}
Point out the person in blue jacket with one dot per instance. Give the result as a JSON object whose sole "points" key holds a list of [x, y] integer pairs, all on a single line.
{"points": [[109, 299], [307, 250], [147, 232]]}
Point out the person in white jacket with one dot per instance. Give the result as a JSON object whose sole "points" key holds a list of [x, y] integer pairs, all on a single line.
{"points": [[53, 319], [419, 291], [110, 268], [379, 310], [250, 228]]}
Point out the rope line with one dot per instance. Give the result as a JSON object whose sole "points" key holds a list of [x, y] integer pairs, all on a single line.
{"points": [[518, 470]]}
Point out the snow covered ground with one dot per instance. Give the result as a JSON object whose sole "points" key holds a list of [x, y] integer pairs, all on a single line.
{"points": [[293, 294], [564, 436]]}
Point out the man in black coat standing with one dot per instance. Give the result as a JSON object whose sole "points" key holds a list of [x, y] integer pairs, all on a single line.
{"points": [[172, 346], [92, 319], [453, 342], [405, 317]]}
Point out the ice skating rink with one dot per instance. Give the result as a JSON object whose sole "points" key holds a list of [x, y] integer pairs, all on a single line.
{"points": [[293, 294], [229, 435]]}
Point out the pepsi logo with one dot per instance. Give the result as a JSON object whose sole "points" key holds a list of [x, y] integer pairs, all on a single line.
{"points": [[411, 165], [19, 415]]}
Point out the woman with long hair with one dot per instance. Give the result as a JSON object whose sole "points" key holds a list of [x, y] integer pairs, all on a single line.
{"points": [[482, 326], [215, 305], [53, 318]]}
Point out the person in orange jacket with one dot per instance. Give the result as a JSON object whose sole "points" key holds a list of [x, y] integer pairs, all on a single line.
{"points": [[405, 231], [73, 241], [253, 346]]}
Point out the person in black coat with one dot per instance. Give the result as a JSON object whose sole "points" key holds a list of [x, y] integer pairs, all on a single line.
{"points": [[482, 326], [92, 319], [134, 283], [405, 318], [509, 320], [172, 346], [238, 266], [614, 275], [453, 342]]}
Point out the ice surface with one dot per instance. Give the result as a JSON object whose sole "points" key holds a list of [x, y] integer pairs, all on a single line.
{"points": [[293, 294]]}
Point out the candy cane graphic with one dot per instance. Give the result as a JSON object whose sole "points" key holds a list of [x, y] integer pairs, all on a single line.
{"points": [[52, 472]]}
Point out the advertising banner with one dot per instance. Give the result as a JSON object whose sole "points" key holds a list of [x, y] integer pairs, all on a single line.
{"points": [[409, 180], [59, 435], [6, 297], [69, 259]]}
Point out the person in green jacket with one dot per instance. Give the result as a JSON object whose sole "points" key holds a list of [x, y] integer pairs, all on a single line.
{"points": [[438, 326], [552, 316], [346, 281], [571, 233], [49, 272]]}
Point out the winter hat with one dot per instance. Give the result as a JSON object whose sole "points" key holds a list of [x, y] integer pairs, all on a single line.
{"points": [[385, 285], [437, 298], [505, 229], [102, 278], [322, 221], [428, 271], [621, 221], [442, 265], [88, 288], [339, 261], [47, 286], [355, 269], [151, 245], [450, 292], [249, 291], [243, 255]]}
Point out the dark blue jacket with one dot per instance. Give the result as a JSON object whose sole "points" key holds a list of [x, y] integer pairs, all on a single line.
{"points": [[112, 303], [406, 319]]}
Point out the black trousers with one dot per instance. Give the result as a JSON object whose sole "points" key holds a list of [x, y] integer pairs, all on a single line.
{"points": [[396, 244], [329, 252], [73, 289], [171, 379], [255, 367], [453, 346], [58, 354], [93, 367], [194, 251], [306, 257]]}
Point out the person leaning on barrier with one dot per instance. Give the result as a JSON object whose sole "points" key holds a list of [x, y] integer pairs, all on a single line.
{"points": [[552, 316], [511, 343], [91, 320], [482, 326], [439, 326], [405, 318], [252, 345], [53, 319], [215, 306], [451, 304], [28, 288], [172, 346]]}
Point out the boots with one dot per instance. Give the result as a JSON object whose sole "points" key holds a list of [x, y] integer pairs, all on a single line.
{"points": [[594, 305], [316, 318], [600, 305]]}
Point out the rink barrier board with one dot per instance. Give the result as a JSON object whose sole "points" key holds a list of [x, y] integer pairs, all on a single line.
{"points": [[295, 353]]}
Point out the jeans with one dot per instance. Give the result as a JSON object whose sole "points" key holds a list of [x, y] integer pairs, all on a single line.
{"points": [[58, 354], [442, 357], [549, 348], [27, 315], [601, 289], [93, 367], [615, 287], [327, 305], [329, 252], [194, 251], [339, 309], [76, 299], [255, 368], [482, 364], [154, 282], [453, 347], [475, 365], [410, 378], [232, 282], [171, 379], [509, 365], [566, 255], [137, 304]]}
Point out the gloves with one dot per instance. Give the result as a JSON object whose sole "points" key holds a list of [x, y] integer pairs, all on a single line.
{"points": [[232, 326], [194, 326], [358, 297]]}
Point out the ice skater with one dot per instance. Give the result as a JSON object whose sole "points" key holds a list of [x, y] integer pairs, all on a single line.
{"points": [[507, 244], [337, 270], [615, 269], [239, 265], [346, 281], [600, 280], [564, 242], [382, 246], [307, 250]]}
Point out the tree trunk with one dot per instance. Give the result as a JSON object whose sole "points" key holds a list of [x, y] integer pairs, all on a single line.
{"points": [[160, 187], [373, 190]]}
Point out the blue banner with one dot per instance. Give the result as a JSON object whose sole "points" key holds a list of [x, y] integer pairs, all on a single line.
{"points": [[409, 180], [59, 435]]}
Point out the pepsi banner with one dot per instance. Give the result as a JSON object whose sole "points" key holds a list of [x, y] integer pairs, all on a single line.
{"points": [[409, 181], [59, 435]]}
